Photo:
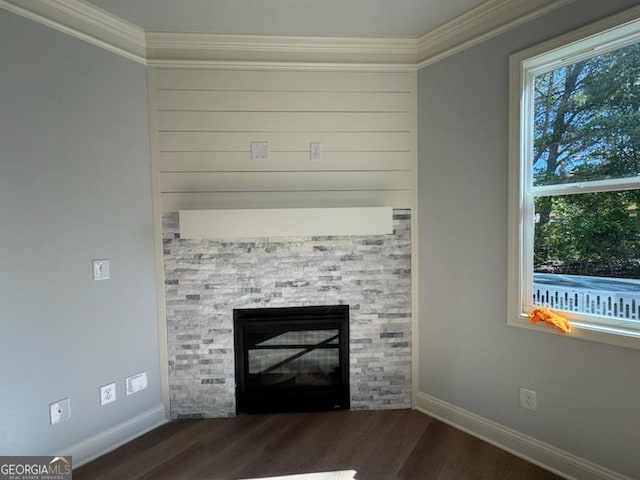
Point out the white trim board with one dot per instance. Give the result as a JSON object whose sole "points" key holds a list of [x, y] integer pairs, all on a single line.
{"points": [[108, 440], [157, 232], [475, 26], [282, 66], [96, 26], [86, 22], [285, 222], [479, 24], [212, 48], [539, 453]]}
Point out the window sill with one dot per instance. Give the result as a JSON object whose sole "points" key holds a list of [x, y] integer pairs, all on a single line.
{"points": [[582, 331]]}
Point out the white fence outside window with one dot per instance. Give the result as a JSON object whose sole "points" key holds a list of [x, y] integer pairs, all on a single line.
{"points": [[616, 298]]}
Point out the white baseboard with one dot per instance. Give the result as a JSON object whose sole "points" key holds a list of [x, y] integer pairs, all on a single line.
{"points": [[539, 453], [97, 445]]}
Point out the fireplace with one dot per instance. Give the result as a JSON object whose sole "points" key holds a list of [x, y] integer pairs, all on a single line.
{"points": [[207, 279], [291, 359]]}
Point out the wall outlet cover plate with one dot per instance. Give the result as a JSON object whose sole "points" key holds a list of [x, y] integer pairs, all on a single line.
{"points": [[259, 150], [107, 394], [528, 399], [60, 411]]}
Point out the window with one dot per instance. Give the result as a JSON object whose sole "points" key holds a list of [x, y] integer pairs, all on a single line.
{"points": [[575, 180]]}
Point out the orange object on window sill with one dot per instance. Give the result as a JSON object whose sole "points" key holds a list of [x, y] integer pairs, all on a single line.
{"points": [[552, 318]]}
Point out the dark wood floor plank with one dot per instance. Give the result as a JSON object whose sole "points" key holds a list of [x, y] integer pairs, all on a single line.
{"points": [[246, 456], [510, 467], [356, 437], [445, 453], [369, 449], [378, 445], [391, 451], [220, 437], [430, 454], [214, 438], [136, 466], [325, 442], [299, 450], [180, 466], [467, 457], [131, 449]]}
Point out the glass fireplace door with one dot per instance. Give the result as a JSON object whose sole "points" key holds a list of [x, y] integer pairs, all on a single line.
{"points": [[292, 359], [285, 356]]}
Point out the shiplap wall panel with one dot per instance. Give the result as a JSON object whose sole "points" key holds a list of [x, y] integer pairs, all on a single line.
{"points": [[285, 142], [172, 202], [207, 119], [226, 101], [283, 161], [281, 181], [285, 81], [312, 122]]}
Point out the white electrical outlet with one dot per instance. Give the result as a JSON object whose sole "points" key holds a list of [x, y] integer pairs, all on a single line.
{"points": [[528, 399], [107, 394], [259, 150], [101, 269], [135, 383], [60, 411]]}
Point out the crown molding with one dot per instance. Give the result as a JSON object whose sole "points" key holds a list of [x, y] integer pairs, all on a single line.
{"points": [[298, 66], [201, 50], [205, 47], [86, 22], [479, 24]]}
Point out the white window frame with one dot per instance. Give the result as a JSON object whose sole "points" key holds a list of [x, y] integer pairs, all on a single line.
{"points": [[609, 34]]}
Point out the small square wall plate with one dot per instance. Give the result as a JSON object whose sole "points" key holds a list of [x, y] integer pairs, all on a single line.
{"points": [[101, 270]]}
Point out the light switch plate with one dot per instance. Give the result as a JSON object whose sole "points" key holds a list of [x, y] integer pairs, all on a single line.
{"points": [[259, 150], [135, 383], [101, 269], [315, 151]]}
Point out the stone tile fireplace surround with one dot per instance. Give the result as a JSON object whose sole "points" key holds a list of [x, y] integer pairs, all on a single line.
{"points": [[206, 279]]}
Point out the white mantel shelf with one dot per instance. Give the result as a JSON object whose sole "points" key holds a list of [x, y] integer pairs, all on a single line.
{"points": [[285, 222]]}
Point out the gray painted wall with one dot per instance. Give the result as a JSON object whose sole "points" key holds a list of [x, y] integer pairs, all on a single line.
{"points": [[74, 185], [587, 392]]}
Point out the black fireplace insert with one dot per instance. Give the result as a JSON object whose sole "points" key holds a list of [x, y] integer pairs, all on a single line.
{"points": [[292, 359]]}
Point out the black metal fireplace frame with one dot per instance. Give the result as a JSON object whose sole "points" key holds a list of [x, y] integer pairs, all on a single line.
{"points": [[266, 400]]}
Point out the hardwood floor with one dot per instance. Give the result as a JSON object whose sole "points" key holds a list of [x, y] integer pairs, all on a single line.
{"points": [[378, 445]]}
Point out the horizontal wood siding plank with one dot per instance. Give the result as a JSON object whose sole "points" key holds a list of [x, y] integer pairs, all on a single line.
{"points": [[282, 122], [283, 81], [283, 161], [172, 202], [201, 100], [282, 181], [238, 142], [207, 120]]}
